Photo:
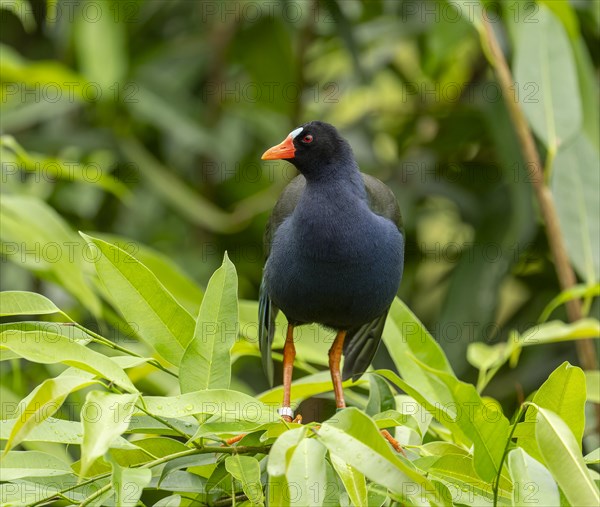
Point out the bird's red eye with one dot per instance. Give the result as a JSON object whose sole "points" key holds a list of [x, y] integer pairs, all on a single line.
{"points": [[307, 139]]}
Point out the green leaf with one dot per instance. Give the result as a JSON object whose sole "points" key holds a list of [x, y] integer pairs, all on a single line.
{"points": [[354, 482], [592, 458], [457, 472], [354, 438], [574, 184], [41, 403], [150, 426], [483, 356], [404, 334], [169, 501], [18, 464], [533, 484], [459, 407], [181, 481], [564, 394], [180, 285], [143, 301], [282, 450], [47, 347], [206, 362], [218, 475], [305, 387], [557, 331], [575, 292], [588, 90], [278, 492], [381, 397], [101, 44], [592, 380], [129, 483], [246, 469], [227, 405], [546, 77], [13, 302], [195, 460], [419, 418], [57, 431], [39, 239], [105, 417], [563, 458], [72, 333], [306, 474]]}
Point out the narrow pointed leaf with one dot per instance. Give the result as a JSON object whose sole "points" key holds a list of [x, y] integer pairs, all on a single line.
{"points": [[457, 472], [19, 464], [354, 438], [185, 290], [58, 431], [575, 182], [129, 484], [206, 363], [46, 347], [546, 77], [563, 458], [143, 301], [532, 481], [465, 413], [354, 482], [13, 302], [42, 403], [105, 417], [227, 405], [282, 450], [246, 469], [306, 474]]}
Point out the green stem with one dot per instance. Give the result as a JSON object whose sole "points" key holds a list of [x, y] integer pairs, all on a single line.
{"points": [[496, 484], [95, 495], [165, 459]]}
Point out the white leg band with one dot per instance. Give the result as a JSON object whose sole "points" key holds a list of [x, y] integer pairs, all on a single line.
{"points": [[286, 411]]}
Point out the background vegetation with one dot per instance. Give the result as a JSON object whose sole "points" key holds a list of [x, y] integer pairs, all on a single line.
{"points": [[142, 123]]}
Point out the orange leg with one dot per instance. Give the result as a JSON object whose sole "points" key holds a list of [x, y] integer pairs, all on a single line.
{"points": [[289, 353], [335, 355]]}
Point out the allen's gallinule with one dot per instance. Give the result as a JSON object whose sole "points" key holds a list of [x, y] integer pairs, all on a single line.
{"points": [[335, 254]]}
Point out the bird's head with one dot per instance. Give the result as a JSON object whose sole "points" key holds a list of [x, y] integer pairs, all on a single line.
{"points": [[313, 148]]}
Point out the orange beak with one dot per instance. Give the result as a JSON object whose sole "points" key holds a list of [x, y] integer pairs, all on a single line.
{"points": [[284, 150]]}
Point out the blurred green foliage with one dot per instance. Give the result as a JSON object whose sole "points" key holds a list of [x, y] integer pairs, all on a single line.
{"points": [[146, 120]]}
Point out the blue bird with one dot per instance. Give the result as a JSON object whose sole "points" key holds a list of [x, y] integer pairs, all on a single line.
{"points": [[335, 254]]}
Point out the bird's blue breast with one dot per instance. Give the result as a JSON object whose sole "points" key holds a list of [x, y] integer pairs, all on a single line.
{"points": [[340, 271]]}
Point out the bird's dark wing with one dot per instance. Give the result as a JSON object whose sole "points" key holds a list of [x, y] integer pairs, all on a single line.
{"points": [[361, 343], [382, 200], [267, 311]]}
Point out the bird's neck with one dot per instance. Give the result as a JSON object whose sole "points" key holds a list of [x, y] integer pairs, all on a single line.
{"points": [[336, 199], [336, 182]]}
